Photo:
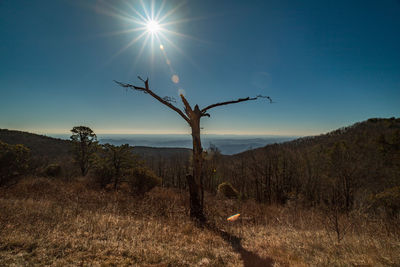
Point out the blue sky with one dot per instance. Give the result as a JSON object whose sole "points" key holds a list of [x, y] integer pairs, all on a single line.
{"points": [[326, 64]]}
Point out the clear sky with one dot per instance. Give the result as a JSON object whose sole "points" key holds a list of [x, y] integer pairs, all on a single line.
{"points": [[326, 64]]}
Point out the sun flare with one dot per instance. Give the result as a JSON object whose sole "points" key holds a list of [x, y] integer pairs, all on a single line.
{"points": [[153, 26], [150, 24]]}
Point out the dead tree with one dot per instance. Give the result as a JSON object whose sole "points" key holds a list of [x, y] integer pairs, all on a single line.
{"points": [[192, 116]]}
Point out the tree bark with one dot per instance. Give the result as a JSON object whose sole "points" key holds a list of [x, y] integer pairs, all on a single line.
{"points": [[195, 181]]}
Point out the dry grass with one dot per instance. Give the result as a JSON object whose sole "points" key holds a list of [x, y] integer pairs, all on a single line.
{"points": [[45, 222]]}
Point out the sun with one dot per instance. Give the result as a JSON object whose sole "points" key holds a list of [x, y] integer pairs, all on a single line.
{"points": [[151, 23], [153, 26]]}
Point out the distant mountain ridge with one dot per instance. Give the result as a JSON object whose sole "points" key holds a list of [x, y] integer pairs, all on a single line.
{"points": [[55, 147], [227, 144]]}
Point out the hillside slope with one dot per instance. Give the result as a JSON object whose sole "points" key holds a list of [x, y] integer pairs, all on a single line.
{"points": [[44, 146], [371, 132], [344, 167], [39, 145]]}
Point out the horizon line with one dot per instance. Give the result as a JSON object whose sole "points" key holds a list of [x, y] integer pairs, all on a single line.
{"points": [[122, 132]]}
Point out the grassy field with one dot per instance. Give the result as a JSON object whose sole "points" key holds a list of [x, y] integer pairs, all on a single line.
{"points": [[47, 222]]}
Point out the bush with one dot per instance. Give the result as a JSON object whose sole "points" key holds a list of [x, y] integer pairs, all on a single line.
{"points": [[227, 190], [14, 162], [53, 170], [112, 164], [102, 175], [388, 200], [142, 180]]}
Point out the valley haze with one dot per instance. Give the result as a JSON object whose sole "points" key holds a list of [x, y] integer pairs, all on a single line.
{"points": [[227, 144]]}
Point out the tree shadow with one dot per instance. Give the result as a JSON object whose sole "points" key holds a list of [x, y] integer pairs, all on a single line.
{"points": [[250, 259]]}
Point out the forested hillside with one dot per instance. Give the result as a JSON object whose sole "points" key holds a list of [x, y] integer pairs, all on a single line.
{"points": [[343, 167], [45, 146], [39, 145]]}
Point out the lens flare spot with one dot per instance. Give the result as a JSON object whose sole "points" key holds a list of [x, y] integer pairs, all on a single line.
{"points": [[175, 78], [161, 47], [168, 62], [233, 217]]}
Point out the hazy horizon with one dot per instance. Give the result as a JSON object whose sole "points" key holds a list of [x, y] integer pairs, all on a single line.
{"points": [[68, 133], [227, 144], [51, 133], [160, 131]]}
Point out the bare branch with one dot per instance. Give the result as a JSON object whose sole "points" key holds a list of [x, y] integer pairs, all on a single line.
{"points": [[203, 111], [147, 90], [144, 81], [169, 99], [188, 108], [132, 86], [267, 97]]}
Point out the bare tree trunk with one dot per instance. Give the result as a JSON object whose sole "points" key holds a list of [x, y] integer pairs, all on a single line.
{"points": [[83, 157], [192, 117], [195, 181]]}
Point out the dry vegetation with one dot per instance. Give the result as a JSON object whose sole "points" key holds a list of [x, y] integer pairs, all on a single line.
{"points": [[50, 222]]}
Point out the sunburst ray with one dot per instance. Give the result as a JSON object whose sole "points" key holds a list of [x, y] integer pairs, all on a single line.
{"points": [[145, 11], [141, 17], [160, 10], [172, 11], [152, 25], [129, 44], [184, 35], [114, 33]]}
